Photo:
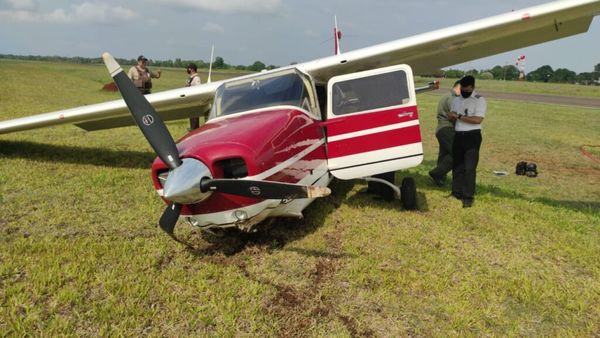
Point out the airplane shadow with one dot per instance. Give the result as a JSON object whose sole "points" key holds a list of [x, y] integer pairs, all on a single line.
{"points": [[284, 231], [281, 232], [424, 183], [77, 155], [587, 207]]}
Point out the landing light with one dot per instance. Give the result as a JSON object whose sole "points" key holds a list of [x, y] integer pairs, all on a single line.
{"points": [[240, 215]]}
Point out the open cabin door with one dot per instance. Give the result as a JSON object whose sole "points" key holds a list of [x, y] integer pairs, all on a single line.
{"points": [[372, 123]]}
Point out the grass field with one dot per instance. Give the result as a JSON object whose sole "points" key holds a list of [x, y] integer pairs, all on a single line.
{"points": [[81, 254]]}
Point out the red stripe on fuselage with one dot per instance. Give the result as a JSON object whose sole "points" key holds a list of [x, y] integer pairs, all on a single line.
{"points": [[374, 142], [358, 122]]}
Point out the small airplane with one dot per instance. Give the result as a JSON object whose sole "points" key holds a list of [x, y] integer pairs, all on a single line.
{"points": [[275, 140]]}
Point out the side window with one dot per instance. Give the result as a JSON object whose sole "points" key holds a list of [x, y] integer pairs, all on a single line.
{"points": [[370, 93]]}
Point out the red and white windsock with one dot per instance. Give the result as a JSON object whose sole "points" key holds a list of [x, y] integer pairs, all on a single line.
{"points": [[337, 36], [521, 66]]}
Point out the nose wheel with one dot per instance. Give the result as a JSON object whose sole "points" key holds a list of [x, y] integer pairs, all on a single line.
{"points": [[384, 186]]}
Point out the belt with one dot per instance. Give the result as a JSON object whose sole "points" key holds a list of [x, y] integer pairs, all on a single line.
{"points": [[475, 131]]}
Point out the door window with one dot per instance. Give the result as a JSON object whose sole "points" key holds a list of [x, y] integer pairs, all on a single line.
{"points": [[370, 93]]}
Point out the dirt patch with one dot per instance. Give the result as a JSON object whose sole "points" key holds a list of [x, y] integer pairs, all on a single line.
{"points": [[296, 308], [110, 87], [163, 261]]}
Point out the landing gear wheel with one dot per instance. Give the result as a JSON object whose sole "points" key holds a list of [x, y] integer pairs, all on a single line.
{"points": [[408, 193], [386, 193]]}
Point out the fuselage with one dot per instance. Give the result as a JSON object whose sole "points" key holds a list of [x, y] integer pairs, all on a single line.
{"points": [[271, 128], [280, 143]]}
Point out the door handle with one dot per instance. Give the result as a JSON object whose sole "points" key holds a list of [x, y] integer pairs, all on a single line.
{"points": [[405, 114]]}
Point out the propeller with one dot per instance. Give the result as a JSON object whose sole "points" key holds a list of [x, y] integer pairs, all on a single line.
{"points": [[263, 189], [144, 115], [153, 129], [188, 181]]}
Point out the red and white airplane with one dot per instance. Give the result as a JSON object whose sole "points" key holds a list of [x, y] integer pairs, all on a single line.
{"points": [[274, 140]]}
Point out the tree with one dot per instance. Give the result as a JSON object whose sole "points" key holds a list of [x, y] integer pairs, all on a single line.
{"points": [[588, 78], [473, 72], [257, 66], [486, 76], [542, 74], [597, 68], [454, 73], [564, 75], [219, 63], [497, 72], [511, 73]]}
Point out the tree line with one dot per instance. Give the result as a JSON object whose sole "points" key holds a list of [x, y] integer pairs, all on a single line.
{"points": [[542, 74], [219, 62], [509, 72]]}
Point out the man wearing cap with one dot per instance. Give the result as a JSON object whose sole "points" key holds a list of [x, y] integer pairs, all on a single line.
{"points": [[142, 75], [468, 110], [193, 80]]}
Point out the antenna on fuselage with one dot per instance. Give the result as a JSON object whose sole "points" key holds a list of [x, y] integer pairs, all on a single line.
{"points": [[212, 53], [337, 36]]}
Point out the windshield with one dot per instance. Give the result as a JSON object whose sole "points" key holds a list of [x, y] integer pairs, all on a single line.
{"points": [[274, 89]]}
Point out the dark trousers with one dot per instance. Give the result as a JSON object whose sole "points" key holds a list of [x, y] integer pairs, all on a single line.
{"points": [[194, 123], [465, 152], [445, 137]]}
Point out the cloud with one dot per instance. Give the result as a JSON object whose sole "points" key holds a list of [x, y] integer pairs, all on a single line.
{"points": [[18, 4], [86, 12], [230, 6], [211, 27]]}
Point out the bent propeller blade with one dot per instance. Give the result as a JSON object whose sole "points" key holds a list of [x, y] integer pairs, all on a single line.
{"points": [[144, 115], [263, 189], [168, 220]]}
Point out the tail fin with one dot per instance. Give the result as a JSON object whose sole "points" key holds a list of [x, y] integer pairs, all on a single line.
{"points": [[337, 36]]}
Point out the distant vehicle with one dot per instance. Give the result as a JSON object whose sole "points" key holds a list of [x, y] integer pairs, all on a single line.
{"points": [[275, 140]]}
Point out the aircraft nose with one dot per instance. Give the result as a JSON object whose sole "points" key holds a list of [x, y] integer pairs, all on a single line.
{"points": [[183, 183]]}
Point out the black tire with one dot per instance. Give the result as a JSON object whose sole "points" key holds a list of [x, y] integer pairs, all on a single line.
{"points": [[408, 193]]}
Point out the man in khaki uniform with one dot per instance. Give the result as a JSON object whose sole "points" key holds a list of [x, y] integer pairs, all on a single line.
{"points": [[444, 134], [142, 75], [193, 80]]}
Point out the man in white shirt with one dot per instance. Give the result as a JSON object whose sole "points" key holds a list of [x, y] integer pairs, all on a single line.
{"points": [[468, 110]]}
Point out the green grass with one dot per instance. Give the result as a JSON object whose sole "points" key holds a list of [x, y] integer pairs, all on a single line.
{"points": [[525, 87], [80, 252]]}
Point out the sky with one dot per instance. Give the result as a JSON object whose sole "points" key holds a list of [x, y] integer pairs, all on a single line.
{"points": [[276, 32]]}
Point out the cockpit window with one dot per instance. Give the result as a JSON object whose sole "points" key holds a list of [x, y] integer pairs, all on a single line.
{"points": [[268, 90]]}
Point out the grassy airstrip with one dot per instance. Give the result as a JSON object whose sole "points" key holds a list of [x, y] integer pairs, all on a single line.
{"points": [[80, 252]]}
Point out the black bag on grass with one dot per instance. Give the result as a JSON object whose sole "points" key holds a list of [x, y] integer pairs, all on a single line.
{"points": [[521, 168]]}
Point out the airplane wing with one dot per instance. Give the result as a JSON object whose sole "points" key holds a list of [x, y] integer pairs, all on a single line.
{"points": [[465, 42], [422, 52], [171, 105]]}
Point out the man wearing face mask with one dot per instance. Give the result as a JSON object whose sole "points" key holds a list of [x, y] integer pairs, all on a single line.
{"points": [[468, 111], [193, 80]]}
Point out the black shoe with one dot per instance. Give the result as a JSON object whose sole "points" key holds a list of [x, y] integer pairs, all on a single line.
{"points": [[467, 202], [439, 181], [455, 195]]}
